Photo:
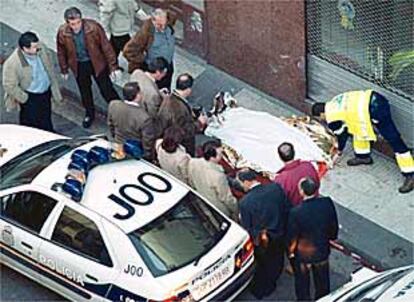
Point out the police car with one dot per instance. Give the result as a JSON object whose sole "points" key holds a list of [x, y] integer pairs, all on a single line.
{"points": [[95, 228], [396, 285]]}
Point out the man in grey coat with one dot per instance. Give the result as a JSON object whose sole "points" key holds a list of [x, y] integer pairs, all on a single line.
{"points": [[128, 119], [30, 83]]}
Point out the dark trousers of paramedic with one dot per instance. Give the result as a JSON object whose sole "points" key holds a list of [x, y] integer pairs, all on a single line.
{"points": [[37, 111], [118, 43], [85, 72], [320, 272], [269, 266], [379, 110]]}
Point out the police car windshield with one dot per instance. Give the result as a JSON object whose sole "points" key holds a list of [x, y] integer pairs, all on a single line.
{"points": [[181, 235], [23, 168]]}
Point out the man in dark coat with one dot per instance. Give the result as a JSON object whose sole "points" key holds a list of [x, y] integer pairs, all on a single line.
{"points": [[129, 120], [176, 111], [311, 226], [263, 213]]}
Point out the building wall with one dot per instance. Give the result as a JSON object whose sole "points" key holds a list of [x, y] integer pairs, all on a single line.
{"points": [[261, 42]]}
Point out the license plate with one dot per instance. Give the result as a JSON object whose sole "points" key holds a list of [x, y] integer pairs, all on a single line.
{"points": [[211, 278]]}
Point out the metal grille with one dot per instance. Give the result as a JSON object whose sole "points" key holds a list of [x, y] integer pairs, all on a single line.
{"points": [[371, 38]]}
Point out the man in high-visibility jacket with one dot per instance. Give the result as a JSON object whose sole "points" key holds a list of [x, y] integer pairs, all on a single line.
{"points": [[357, 113]]}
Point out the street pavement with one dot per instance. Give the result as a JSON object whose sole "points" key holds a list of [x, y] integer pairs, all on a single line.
{"points": [[375, 221]]}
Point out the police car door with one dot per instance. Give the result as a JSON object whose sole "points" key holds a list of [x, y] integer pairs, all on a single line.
{"points": [[24, 215], [80, 253]]}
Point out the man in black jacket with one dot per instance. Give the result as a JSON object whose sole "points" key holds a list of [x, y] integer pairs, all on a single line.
{"points": [[263, 213], [311, 225]]}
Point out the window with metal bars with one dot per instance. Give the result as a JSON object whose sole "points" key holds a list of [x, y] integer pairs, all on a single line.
{"points": [[373, 39]]}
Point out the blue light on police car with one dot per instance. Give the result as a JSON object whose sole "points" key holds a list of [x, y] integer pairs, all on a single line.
{"points": [[133, 148], [74, 188], [98, 155], [79, 165], [80, 155]]}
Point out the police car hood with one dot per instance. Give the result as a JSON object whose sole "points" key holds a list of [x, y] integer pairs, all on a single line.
{"points": [[15, 139]]}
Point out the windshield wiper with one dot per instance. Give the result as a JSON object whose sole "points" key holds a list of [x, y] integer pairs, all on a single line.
{"points": [[217, 237], [197, 260]]}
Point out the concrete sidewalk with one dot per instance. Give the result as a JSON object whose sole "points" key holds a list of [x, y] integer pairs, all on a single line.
{"points": [[376, 221]]}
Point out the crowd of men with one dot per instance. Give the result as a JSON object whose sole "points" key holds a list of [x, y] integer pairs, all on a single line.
{"points": [[287, 218]]}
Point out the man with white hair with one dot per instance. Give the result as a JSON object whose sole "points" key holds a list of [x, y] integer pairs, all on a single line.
{"points": [[155, 39]]}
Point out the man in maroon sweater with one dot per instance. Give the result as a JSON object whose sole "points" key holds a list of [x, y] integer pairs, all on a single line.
{"points": [[294, 170]]}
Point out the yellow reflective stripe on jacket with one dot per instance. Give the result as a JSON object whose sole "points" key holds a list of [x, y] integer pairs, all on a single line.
{"points": [[352, 108], [405, 162]]}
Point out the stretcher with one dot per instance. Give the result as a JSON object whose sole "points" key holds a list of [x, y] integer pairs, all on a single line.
{"points": [[250, 139]]}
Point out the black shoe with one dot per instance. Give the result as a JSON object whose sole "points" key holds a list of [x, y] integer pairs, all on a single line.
{"points": [[87, 121], [356, 161], [408, 185]]}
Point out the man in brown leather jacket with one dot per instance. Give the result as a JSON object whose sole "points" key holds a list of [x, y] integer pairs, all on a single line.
{"points": [[83, 47], [155, 39]]}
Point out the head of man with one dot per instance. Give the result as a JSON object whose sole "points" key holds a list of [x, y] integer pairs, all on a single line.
{"points": [[213, 151], [318, 111], [308, 187], [184, 84], [73, 17], [158, 68], [286, 152], [132, 92], [247, 179], [159, 19], [172, 138], [29, 43]]}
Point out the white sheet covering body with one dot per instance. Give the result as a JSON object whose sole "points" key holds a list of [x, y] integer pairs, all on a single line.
{"points": [[256, 135]]}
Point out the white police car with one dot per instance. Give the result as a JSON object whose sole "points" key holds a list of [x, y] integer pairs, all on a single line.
{"points": [[366, 285], [131, 232]]}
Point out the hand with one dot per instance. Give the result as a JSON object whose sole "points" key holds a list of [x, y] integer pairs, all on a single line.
{"points": [[65, 76], [142, 15], [202, 119], [116, 75], [164, 91], [337, 158]]}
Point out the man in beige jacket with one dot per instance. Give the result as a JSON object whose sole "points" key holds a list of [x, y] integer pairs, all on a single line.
{"points": [[152, 97], [207, 177], [30, 83]]}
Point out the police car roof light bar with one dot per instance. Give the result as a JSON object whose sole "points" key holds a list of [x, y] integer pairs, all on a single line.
{"points": [[79, 165], [80, 155], [133, 148], [98, 155], [74, 188]]}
